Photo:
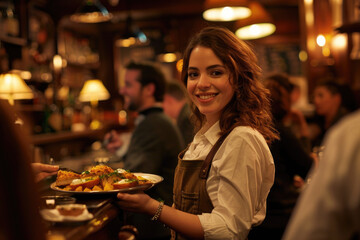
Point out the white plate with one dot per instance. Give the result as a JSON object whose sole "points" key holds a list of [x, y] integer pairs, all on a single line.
{"points": [[155, 179], [53, 215]]}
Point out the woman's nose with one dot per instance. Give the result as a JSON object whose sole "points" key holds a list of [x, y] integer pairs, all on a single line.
{"points": [[204, 82]]}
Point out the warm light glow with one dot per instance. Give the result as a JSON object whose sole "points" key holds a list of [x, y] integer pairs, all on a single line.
{"points": [[309, 22], [167, 57], [126, 42], [255, 31], [303, 56], [339, 41], [12, 87], [26, 75], [179, 65], [63, 93], [326, 52], [227, 13], [93, 17], [223, 14], [57, 63], [122, 117], [93, 91], [320, 40], [309, 18], [91, 11]]}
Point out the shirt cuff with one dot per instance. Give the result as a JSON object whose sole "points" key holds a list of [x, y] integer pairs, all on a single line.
{"points": [[214, 227]]}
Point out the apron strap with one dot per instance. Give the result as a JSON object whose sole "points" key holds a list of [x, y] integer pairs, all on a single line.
{"points": [[205, 169]]}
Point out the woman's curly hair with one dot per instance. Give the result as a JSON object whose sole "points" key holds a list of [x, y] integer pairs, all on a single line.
{"points": [[250, 105]]}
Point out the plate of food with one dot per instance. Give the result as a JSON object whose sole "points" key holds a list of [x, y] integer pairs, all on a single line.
{"points": [[67, 213], [102, 179]]}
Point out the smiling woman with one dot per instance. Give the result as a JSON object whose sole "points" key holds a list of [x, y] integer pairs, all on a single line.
{"points": [[224, 176], [208, 83]]}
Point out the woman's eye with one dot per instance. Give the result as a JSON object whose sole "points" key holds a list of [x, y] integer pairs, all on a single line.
{"points": [[216, 73], [192, 75]]}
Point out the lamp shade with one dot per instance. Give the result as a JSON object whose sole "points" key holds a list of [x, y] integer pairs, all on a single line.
{"points": [[258, 25], [93, 91], [226, 10], [91, 11], [13, 87]]}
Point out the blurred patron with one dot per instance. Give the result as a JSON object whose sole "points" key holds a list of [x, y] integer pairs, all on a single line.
{"points": [[329, 206], [155, 141], [19, 200], [176, 105], [292, 164], [293, 118], [331, 106]]}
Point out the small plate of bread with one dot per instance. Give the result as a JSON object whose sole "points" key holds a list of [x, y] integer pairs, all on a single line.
{"points": [[67, 213]]}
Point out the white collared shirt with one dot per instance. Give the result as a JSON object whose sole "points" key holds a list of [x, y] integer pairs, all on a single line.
{"points": [[240, 178]]}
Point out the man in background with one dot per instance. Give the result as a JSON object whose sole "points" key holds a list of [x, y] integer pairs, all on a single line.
{"points": [[155, 141], [176, 105]]}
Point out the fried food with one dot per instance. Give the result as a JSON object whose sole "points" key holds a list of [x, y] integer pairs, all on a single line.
{"points": [[99, 170], [88, 182], [126, 183], [98, 178], [65, 177]]}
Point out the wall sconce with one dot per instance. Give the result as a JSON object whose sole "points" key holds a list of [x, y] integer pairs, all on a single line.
{"points": [[94, 91], [226, 10], [91, 11], [12, 87], [258, 25]]}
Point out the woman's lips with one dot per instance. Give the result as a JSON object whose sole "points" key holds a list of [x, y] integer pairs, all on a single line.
{"points": [[206, 97]]}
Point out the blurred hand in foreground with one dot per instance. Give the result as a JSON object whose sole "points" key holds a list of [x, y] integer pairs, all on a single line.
{"points": [[43, 170]]}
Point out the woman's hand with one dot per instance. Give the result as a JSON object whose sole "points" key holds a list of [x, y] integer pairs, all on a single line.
{"points": [[137, 202], [43, 170], [185, 223]]}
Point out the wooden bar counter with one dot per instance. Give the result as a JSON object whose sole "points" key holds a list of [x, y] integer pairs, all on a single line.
{"points": [[106, 224]]}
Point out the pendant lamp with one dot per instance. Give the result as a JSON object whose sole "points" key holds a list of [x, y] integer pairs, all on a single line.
{"points": [[258, 25], [226, 10], [91, 11]]}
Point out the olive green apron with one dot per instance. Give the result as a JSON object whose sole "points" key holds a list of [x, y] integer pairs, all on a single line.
{"points": [[190, 193]]}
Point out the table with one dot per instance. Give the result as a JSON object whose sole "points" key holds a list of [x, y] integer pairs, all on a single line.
{"points": [[106, 224]]}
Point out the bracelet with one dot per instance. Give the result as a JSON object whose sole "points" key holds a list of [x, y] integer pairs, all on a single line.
{"points": [[158, 212]]}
